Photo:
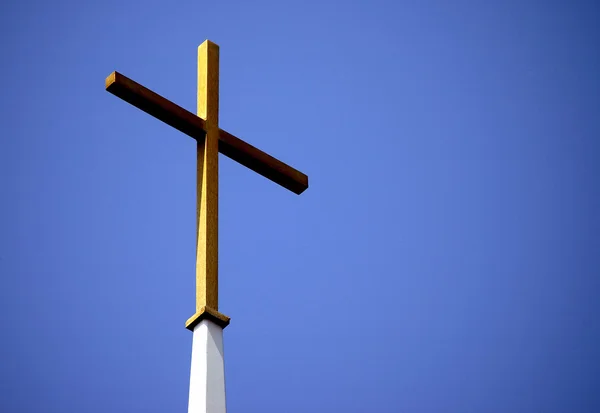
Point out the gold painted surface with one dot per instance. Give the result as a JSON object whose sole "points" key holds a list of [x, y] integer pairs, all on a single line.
{"points": [[207, 185], [208, 314], [111, 79]]}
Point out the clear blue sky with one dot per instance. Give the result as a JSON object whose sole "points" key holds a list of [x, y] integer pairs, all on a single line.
{"points": [[444, 259]]}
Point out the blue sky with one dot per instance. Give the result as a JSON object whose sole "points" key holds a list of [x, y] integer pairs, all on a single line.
{"points": [[444, 259]]}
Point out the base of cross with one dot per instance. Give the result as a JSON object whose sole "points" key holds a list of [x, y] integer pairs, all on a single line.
{"points": [[207, 313], [207, 373]]}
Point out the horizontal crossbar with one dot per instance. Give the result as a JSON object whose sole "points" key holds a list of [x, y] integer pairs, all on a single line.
{"points": [[193, 126]]}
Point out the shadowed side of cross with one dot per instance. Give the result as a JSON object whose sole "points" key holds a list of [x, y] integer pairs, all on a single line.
{"points": [[210, 141]]}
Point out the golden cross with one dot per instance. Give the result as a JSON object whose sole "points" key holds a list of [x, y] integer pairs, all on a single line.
{"points": [[210, 141]]}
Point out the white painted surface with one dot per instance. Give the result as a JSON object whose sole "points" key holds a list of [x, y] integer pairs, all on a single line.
{"points": [[207, 377]]}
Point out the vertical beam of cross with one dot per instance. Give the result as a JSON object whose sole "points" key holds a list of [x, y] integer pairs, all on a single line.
{"points": [[207, 375], [207, 191], [207, 209]]}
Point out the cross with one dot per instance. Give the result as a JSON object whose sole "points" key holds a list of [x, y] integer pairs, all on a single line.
{"points": [[210, 141]]}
